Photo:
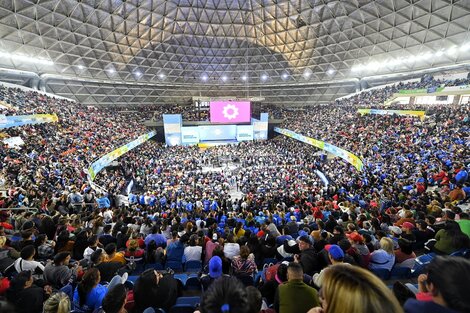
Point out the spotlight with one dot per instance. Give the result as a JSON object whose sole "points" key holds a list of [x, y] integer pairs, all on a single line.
{"points": [[264, 77]]}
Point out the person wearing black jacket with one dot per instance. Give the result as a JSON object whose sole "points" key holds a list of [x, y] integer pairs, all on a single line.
{"points": [[25, 296], [308, 257]]}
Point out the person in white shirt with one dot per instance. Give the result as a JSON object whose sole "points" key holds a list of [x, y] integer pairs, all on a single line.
{"points": [[231, 248], [193, 252], [93, 243], [26, 262]]}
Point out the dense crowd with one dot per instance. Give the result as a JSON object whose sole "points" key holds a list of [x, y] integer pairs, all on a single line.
{"points": [[287, 233]]}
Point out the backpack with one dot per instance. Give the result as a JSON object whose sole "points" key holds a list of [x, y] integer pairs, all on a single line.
{"points": [[271, 271]]}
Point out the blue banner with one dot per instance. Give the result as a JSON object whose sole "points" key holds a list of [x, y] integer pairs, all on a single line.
{"points": [[105, 160], [7, 121]]}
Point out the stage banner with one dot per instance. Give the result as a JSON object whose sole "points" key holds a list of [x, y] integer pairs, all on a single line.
{"points": [[172, 124], [190, 135], [260, 127], [336, 151], [421, 90], [7, 121], [105, 160], [420, 114], [244, 133]]}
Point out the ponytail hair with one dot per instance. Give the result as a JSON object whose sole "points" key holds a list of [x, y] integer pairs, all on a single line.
{"points": [[87, 284], [57, 303]]}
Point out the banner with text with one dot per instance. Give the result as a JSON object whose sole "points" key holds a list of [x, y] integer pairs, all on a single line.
{"points": [[105, 160], [21, 120], [420, 114], [421, 90], [336, 151]]}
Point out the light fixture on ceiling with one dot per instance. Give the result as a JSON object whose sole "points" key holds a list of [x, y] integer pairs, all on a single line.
{"points": [[307, 73], [161, 76], [264, 77], [111, 70], [284, 75], [138, 73], [330, 71], [80, 67], [24, 58], [224, 78], [204, 77], [244, 78]]}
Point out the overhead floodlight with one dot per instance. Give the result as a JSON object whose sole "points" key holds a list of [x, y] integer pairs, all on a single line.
{"points": [[439, 53], [111, 70], [138, 73], [244, 78], [307, 73], [80, 67], [24, 58], [264, 77], [161, 76], [330, 71], [204, 77], [224, 78], [284, 75]]}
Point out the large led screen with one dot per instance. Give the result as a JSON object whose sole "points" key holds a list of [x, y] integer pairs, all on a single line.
{"points": [[230, 111], [218, 132]]}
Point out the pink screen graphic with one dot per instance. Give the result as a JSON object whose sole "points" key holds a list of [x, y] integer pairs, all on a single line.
{"points": [[230, 111]]}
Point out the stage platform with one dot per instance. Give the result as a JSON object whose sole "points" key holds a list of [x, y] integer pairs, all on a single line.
{"points": [[214, 143]]}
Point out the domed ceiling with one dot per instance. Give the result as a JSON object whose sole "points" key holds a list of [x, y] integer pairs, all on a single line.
{"points": [[224, 44]]}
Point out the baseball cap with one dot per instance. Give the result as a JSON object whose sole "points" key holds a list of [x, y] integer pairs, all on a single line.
{"points": [[355, 236], [215, 267], [395, 229], [408, 225], [335, 251]]}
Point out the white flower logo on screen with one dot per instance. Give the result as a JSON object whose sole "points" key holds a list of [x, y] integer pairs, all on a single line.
{"points": [[230, 111]]}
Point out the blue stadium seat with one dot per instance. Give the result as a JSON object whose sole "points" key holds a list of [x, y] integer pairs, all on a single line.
{"points": [[193, 266], [193, 301], [400, 272], [176, 266], [155, 266], [193, 283], [381, 273], [181, 277]]}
